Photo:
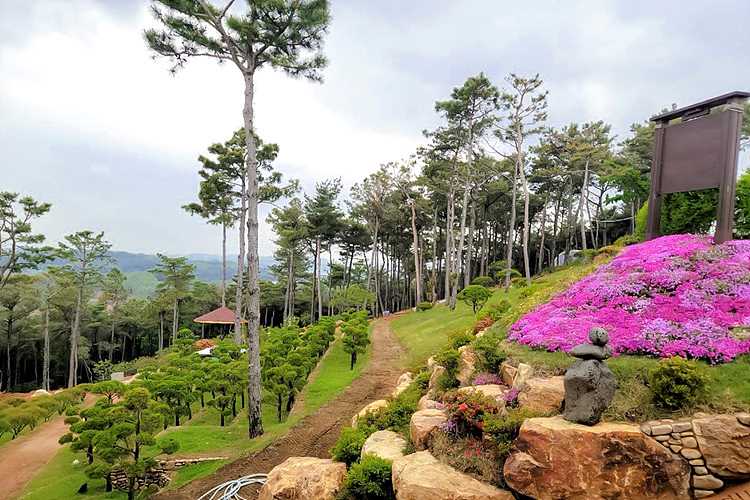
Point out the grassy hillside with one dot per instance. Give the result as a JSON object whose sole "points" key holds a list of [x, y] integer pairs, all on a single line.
{"points": [[423, 333]]}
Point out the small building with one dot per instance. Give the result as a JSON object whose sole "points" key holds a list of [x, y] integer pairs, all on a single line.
{"points": [[222, 316]]}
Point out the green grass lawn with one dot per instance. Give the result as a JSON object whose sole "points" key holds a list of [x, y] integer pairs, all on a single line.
{"points": [[333, 376], [202, 435], [424, 333]]}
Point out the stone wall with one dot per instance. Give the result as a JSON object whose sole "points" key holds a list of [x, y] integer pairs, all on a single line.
{"points": [[159, 475], [717, 447]]}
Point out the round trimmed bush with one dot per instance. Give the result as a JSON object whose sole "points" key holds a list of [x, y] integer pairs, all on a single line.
{"points": [[677, 383], [370, 478]]}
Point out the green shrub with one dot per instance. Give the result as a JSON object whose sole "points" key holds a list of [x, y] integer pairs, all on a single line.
{"points": [[424, 306], [503, 429], [485, 281], [677, 383], [349, 445], [475, 296], [448, 359], [397, 415], [527, 292], [519, 282], [625, 240], [368, 479], [460, 339], [496, 311], [641, 218], [489, 351]]}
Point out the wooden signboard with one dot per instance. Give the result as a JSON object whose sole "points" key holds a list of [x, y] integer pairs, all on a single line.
{"points": [[696, 147]]}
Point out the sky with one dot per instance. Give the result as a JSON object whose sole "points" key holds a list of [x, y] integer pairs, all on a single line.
{"points": [[91, 123]]}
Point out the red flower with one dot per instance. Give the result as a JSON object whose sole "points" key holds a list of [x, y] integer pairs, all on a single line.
{"points": [[463, 407]]}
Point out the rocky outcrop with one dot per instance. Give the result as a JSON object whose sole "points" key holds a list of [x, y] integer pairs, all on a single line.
{"points": [[372, 407], [420, 476], [302, 478], [492, 391], [384, 444], [432, 387], [467, 364], [524, 372], [543, 395], [554, 458], [724, 442], [403, 383], [423, 423]]}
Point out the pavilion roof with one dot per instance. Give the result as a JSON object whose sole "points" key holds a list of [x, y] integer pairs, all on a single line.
{"points": [[221, 316]]}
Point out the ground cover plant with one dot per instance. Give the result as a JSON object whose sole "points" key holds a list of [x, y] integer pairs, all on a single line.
{"points": [[675, 295]]}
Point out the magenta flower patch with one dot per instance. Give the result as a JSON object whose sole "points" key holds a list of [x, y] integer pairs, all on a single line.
{"points": [[673, 296]]}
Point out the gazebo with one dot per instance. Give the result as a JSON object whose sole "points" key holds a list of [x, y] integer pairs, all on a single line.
{"points": [[221, 316]]}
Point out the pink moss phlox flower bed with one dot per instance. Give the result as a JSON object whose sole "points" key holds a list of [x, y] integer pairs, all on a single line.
{"points": [[676, 295]]}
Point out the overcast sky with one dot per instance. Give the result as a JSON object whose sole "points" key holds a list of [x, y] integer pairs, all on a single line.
{"points": [[90, 123]]}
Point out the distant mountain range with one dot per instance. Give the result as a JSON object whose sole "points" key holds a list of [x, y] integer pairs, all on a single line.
{"points": [[142, 283]]}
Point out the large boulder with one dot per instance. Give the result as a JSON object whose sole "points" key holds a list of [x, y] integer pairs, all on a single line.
{"points": [[420, 476], [423, 423], [544, 395], [554, 458], [492, 391], [302, 478], [467, 364], [725, 444], [384, 444], [403, 383], [370, 408]]}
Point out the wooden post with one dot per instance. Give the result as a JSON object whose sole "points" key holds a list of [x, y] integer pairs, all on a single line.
{"points": [[728, 185], [654, 199]]}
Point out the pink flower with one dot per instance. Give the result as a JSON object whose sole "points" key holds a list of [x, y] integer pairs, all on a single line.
{"points": [[675, 295]]}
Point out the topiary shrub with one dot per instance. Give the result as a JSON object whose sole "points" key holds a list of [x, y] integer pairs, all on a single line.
{"points": [[460, 339], [349, 445], [489, 350], [370, 478], [485, 281], [475, 296], [424, 306], [496, 311], [677, 383], [625, 240]]}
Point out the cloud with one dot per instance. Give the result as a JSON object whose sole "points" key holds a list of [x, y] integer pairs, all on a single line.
{"points": [[89, 121]]}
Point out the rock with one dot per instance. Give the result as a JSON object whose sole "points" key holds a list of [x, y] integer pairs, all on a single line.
{"points": [[427, 403], [646, 429], [302, 478], [403, 383], [384, 444], [372, 407], [423, 424], [701, 471], [689, 442], [467, 363], [660, 430], [481, 333], [493, 391], [432, 388], [543, 394], [508, 372], [420, 476], [554, 459], [697, 461], [682, 426], [702, 493], [690, 454], [40, 392], [708, 482], [589, 388], [431, 363], [725, 444], [523, 374], [744, 418]]}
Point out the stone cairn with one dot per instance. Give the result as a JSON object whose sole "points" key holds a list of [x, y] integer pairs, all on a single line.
{"points": [[589, 383]]}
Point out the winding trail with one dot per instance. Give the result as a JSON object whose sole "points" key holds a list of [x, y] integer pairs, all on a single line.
{"points": [[315, 434]]}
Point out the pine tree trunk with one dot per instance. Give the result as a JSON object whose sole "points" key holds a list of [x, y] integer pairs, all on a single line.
{"points": [[540, 259], [511, 229], [254, 414], [175, 319], [161, 331], [460, 248], [45, 357], [112, 338], [73, 361], [470, 247], [223, 265], [317, 278], [583, 202], [448, 246], [238, 296], [525, 241], [7, 350]]}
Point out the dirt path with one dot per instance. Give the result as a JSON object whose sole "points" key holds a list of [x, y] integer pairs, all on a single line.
{"points": [[23, 457], [315, 434]]}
